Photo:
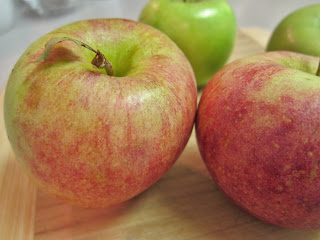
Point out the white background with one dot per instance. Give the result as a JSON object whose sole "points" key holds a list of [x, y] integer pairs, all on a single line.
{"points": [[27, 25]]}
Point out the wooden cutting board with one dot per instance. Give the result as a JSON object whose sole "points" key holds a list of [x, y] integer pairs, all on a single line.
{"points": [[184, 204]]}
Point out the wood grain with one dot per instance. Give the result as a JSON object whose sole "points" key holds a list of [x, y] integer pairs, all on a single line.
{"points": [[184, 205]]}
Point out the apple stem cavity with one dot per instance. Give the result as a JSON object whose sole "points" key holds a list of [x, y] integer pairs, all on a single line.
{"points": [[99, 59], [318, 70]]}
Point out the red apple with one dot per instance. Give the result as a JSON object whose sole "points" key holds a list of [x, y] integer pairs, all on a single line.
{"points": [[89, 138], [258, 132]]}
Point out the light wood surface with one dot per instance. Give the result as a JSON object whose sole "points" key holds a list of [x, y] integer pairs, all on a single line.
{"points": [[184, 205]]}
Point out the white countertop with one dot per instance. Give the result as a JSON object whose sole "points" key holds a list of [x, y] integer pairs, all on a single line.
{"points": [[29, 26]]}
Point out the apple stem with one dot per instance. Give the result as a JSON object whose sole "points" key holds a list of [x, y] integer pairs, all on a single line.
{"points": [[318, 70], [99, 59]]}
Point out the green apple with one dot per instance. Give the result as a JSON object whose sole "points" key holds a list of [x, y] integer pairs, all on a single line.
{"points": [[95, 138], [205, 30], [298, 32], [258, 132]]}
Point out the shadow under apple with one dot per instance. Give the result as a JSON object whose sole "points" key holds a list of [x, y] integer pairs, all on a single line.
{"points": [[184, 204], [192, 207]]}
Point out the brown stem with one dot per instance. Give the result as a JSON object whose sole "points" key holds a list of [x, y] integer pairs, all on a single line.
{"points": [[318, 70], [99, 59]]}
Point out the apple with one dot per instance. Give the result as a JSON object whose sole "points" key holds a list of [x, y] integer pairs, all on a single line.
{"points": [[298, 32], [257, 129], [205, 30], [94, 139]]}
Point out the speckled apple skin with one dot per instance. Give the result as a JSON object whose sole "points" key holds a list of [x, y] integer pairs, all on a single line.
{"points": [[94, 140], [258, 131]]}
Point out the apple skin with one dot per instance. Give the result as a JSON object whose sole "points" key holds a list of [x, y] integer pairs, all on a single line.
{"points": [[204, 30], [257, 129], [298, 32], [95, 140]]}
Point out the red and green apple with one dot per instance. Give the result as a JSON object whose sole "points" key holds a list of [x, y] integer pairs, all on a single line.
{"points": [[94, 139], [298, 32], [205, 30], [258, 132]]}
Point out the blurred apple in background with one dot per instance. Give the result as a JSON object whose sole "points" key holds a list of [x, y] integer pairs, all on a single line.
{"points": [[92, 139], [298, 32], [205, 30], [258, 132]]}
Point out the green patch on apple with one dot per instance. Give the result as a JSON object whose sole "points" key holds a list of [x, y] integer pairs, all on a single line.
{"points": [[298, 32], [205, 30]]}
